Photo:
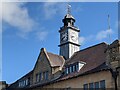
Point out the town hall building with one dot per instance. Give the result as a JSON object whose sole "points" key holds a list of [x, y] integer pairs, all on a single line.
{"points": [[97, 66]]}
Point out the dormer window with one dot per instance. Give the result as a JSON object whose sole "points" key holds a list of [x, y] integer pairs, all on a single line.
{"points": [[42, 76], [24, 82], [75, 67]]}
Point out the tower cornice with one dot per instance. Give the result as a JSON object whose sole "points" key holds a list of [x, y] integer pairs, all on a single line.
{"points": [[67, 27], [69, 43]]}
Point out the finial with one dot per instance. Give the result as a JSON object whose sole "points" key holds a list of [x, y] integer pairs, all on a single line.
{"points": [[68, 9]]}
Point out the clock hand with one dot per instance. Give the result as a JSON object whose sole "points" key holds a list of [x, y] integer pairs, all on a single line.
{"points": [[72, 36], [62, 37]]}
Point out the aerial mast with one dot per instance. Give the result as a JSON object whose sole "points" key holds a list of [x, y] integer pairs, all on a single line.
{"points": [[109, 28]]}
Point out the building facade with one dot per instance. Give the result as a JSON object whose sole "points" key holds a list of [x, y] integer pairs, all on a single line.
{"points": [[97, 66], [3, 85]]}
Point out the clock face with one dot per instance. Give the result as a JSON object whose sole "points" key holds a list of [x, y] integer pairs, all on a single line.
{"points": [[73, 36], [64, 36]]}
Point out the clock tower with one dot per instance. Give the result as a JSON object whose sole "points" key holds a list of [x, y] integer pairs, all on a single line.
{"points": [[69, 36]]}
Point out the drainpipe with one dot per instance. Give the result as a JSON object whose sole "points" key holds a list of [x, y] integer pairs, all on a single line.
{"points": [[114, 75]]}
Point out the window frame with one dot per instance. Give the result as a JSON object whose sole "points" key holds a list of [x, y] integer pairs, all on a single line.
{"points": [[85, 86], [104, 85]]}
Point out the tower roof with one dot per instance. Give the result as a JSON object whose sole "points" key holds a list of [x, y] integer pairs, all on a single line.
{"points": [[68, 15]]}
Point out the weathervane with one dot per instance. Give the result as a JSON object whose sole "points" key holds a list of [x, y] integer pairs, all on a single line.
{"points": [[68, 9]]}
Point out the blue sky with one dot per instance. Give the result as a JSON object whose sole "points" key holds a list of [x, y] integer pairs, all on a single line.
{"points": [[27, 27]]}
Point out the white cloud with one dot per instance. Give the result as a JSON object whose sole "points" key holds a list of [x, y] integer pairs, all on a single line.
{"points": [[16, 15], [82, 40], [103, 34], [53, 8], [42, 35], [97, 37]]}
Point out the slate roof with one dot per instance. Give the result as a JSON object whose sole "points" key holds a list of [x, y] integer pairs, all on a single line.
{"points": [[116, 43], [69, 16], [94, 57], [55, 60], [102, 67]]}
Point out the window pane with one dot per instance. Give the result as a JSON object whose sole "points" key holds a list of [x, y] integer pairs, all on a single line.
{"points": [[40, 77], [76, 67], [85, 86], [46, 75], [91, 86], [96, 85], [19, 84], [70, 69], [43, 75], [73, 68], [37, 77], [26, 81], [29, 81], [66, 70], [102, 84]]}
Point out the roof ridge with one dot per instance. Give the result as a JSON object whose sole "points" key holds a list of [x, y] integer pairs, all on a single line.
{"points": [[92, 47], [54, 54]]}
